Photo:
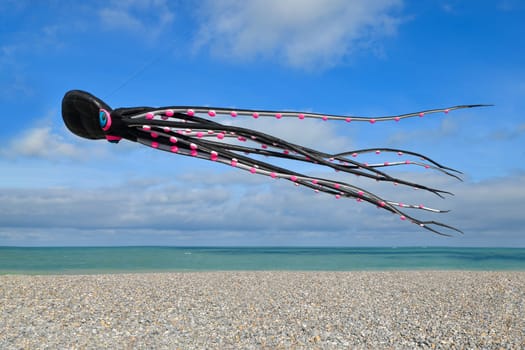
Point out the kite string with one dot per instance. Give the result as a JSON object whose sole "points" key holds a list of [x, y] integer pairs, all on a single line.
{"points": [[139, 71]]}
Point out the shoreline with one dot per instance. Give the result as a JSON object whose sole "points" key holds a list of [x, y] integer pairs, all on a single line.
{"points": [[265, 309], [88, 272]]}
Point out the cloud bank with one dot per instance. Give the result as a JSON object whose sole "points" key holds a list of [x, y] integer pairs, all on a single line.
{"points": [[192, 210]]}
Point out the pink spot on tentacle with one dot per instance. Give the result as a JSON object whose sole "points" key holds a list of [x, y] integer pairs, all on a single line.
{"points": [[174, 149], [359, 200], [421, 206], [293, 178], [421, 114], [273, 175], [220, 136], [360, 193], [407, 162], [149, 115], [278, 115], [397, 119], [154, 134], [255, 115], [155, 144], [190, 112], [194, 152], [372, 121], [402, 217], [234, 162], [337, 196], [233, 114], [146, 127], [427, 166], [301, 116], [354, 155], [399, 153], [253, 170], [382, 204], [166, 129], [316, 190], [386, 163], [200, 134], [264, 146], [314, 181], [113, 139], [193, 146], [325, 118], [378, 151], [212, 113], [446, 111], [214, 155], [348, 120], [337, 185], [286, 151], [173, 139], [169, 113]]}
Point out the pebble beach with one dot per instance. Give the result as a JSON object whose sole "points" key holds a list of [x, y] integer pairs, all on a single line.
{"points": [[265, 310]]}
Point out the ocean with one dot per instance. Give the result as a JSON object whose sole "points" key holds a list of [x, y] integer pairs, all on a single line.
{"points": [[91, 260]]}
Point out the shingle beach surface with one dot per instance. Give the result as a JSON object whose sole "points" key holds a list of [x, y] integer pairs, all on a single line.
{"points": [[264, 310]]}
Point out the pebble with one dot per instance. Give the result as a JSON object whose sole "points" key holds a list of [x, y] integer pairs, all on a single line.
{"points": [[265, 310]]}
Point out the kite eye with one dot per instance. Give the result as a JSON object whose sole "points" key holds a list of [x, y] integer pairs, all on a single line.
{"points": [[104, 119]]}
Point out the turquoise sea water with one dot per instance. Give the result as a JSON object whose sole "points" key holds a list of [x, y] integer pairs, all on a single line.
{"points": [[69, 260]]}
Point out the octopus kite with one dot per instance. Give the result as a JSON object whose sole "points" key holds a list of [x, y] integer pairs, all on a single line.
{"points": [[192, 131]]}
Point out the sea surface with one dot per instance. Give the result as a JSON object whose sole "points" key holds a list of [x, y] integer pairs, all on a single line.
{"points": [[80, 260]]}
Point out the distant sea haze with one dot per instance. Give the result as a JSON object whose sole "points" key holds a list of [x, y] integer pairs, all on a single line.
{"points": [[93, 260]]}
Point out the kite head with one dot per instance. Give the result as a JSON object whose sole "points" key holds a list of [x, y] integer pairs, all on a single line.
{"points": [[86, 115]]}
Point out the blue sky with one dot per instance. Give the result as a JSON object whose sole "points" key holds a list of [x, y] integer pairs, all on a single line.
{"points": [[366, 58]]}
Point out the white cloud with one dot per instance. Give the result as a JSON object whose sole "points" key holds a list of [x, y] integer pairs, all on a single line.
{"points": [[40, 142], [509, 5], [506, 134], [310, 34], [145, 17], [446, 128]]}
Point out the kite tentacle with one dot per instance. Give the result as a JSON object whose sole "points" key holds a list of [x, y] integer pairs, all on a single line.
{"points": [[212, 112], [399, 152], [306, 154], [191, 146]]}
